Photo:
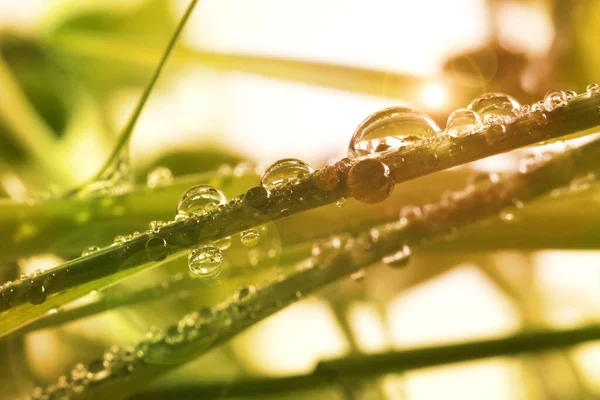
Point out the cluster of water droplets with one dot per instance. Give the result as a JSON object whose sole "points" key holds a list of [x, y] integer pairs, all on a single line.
{"points": [[35, 293]]}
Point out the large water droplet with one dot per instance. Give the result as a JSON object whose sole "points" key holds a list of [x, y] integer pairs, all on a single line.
{"points": [[250, 237], [555, 99], [206, 261], [159, 177], [285, 171], [391, 128], [370, 181], [494, 106], [463, 122], [200, 199], [156, 248]]}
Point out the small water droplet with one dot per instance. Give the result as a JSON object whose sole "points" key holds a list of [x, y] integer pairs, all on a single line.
{"points": [[156, 248], [358, 275], [340, 202], [495, 134], [174, 335], [257, 197], [36, 294], [244, 293], [287, 170], [592, 89], [250, 237], [327, 178], [490, 106], [570, 94], [370, 181], [463, 122], [409, 213], [391, 128], [90, 250], [398, 259], [555, 99], [120, 239], [507, 216], [159, 177], [154, 334], [200, 199], [206, 261], [154, 226]]}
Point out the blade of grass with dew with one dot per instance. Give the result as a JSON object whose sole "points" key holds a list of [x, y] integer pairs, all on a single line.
{"points": [[238, 215], [127, 131], [241, 311]]}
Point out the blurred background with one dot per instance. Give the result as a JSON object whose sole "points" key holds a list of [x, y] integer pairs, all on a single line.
{"points": [[259, 80]]}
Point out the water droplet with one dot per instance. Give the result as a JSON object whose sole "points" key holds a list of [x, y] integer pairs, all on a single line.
{"points": [[174, 335], [154, 226], [154, 334], [507, 216], [159, 177], [206, 261], [327, 178], [200, 199], [555, 99], [398, 259], [250, 237], [120, 239], [359, 275], [492, 105], [409, 213], [463, 122], [257, 197], [36, 294], [570, 94], [391, 128], [156, 248], [244, 293], [370, 181], [592, 89], [223, 243], [340, 202], [90, 250], [284, 171]]}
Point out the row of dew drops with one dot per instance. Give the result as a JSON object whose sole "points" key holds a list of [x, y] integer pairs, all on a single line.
{"points": [[386, 129]]}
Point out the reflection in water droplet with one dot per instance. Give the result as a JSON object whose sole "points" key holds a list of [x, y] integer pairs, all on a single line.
{"points": [[200, 199], [206, 261], [555, 99], [159, 177], [391, 128], [370, 181], [156, 248], [90, 250], [250, 237], [463, 122], [287, 170], [398, 259], [490, 106]]}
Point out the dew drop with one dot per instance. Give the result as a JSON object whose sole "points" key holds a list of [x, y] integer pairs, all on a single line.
{"points": [[287, 170], [156, 248], [159, 177], [327, 178], [490, 106], [555, 99], [206, 261], [250, 237], [257, 197], [398, 259], [370, 181], [174, 335], [570, 94], [90, 250], [391, 128], [592, 89], [244, 293], [200, 199], [154, 226], [36, 294], [463, 122], [119, 239]]}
